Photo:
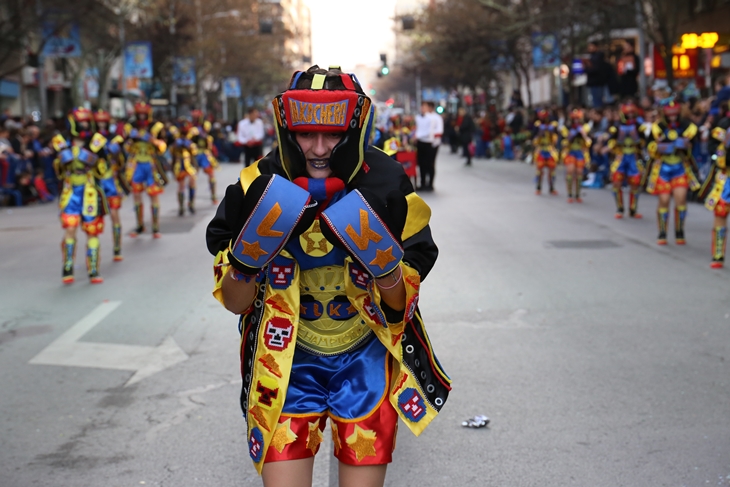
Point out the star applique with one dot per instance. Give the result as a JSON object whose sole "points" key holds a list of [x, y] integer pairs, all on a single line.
{"points": [[351, 309], [383, 257], [315, 437], [313, 242], [362, 443], [283, 436], [335, 437], [253, 250]]}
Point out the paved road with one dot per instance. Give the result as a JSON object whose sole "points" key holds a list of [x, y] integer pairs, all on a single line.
{"points": [[600, 357]]}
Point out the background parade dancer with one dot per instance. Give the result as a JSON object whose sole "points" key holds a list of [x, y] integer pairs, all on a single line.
{"points": [[111, 177], [716, 188], [184, 167], [321, 248], [626, 143], [205, 151], [671, 172], [545, 155], [575, 153], [82, 200], [144, 169]]}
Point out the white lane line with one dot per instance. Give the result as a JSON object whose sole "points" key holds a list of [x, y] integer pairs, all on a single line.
{"points": [[66, 350]]}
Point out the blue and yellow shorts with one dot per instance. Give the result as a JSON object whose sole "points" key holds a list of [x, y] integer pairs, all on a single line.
{"points": [[352, 390], [628, 169], [112, 192], [72, 213], [144, 176], [671, 176]]}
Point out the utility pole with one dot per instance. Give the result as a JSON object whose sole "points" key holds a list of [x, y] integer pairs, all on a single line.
{"points": [[199, 15], [642, 49], [173, 88], [42, 70], [123, 41]]}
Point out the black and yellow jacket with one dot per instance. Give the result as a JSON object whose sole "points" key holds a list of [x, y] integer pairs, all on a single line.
{"points": [[415, 367]]}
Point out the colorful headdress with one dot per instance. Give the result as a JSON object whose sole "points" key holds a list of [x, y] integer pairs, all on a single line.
{"points": [[670, 107], [142, 108], [334, 103], [197, 117], [543, 115], [576, 114], [628, 109], [76, 117], [102, 116]]}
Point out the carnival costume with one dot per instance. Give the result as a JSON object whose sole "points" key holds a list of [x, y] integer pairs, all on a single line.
{"points": [[671, 166], [545, 154], [716, 190], [317, 341], [111, 176], [205, 156], [626, 144], [576, 144], [184, 166], [145, 170], [82, 201]]}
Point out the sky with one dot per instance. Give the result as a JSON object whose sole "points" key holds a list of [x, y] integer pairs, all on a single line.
{"points": [[351, 32]]}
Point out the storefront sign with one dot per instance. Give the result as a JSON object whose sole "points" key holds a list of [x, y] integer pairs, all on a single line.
{"points": [[684, 62]]}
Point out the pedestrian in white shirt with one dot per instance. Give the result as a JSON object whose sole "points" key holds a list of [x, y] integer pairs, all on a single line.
{"points": [[424, 144], [437, 126], [429, 129], [251, 137]]}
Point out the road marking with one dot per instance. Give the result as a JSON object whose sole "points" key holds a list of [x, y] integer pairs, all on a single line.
{"points": [[67, 350]]}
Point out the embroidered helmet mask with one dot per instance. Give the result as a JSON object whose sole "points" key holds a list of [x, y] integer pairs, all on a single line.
{"points": [[316, 102]]}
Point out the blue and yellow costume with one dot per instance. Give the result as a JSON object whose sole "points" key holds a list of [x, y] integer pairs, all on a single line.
{"points": [[716, 190], [545, 153], [144, 170], [626, 144], [575, 155], [204, 147], [318, 342], [82, 201], [671, 165], [184, 166], [111, 174]]}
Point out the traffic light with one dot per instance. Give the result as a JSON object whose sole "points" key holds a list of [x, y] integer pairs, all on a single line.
{"points": [[384, 69]]}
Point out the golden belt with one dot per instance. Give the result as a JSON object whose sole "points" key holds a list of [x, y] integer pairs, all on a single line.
{"points": [[329, 323]]}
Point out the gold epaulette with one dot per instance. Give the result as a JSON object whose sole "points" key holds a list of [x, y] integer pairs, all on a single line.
{"points": [[248, 175], [156, 129], [690, 131], [418, 217], [719, 134], [97, 143], [656, 131], [58, 143]]}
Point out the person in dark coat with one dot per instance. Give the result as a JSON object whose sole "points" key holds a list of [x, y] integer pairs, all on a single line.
{"points": [[628, 71], [465, 128], [597, 71]]}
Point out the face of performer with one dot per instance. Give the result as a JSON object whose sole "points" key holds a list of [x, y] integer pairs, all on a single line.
{"points": [[317, 148], [424, 108], [252, 116]]}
